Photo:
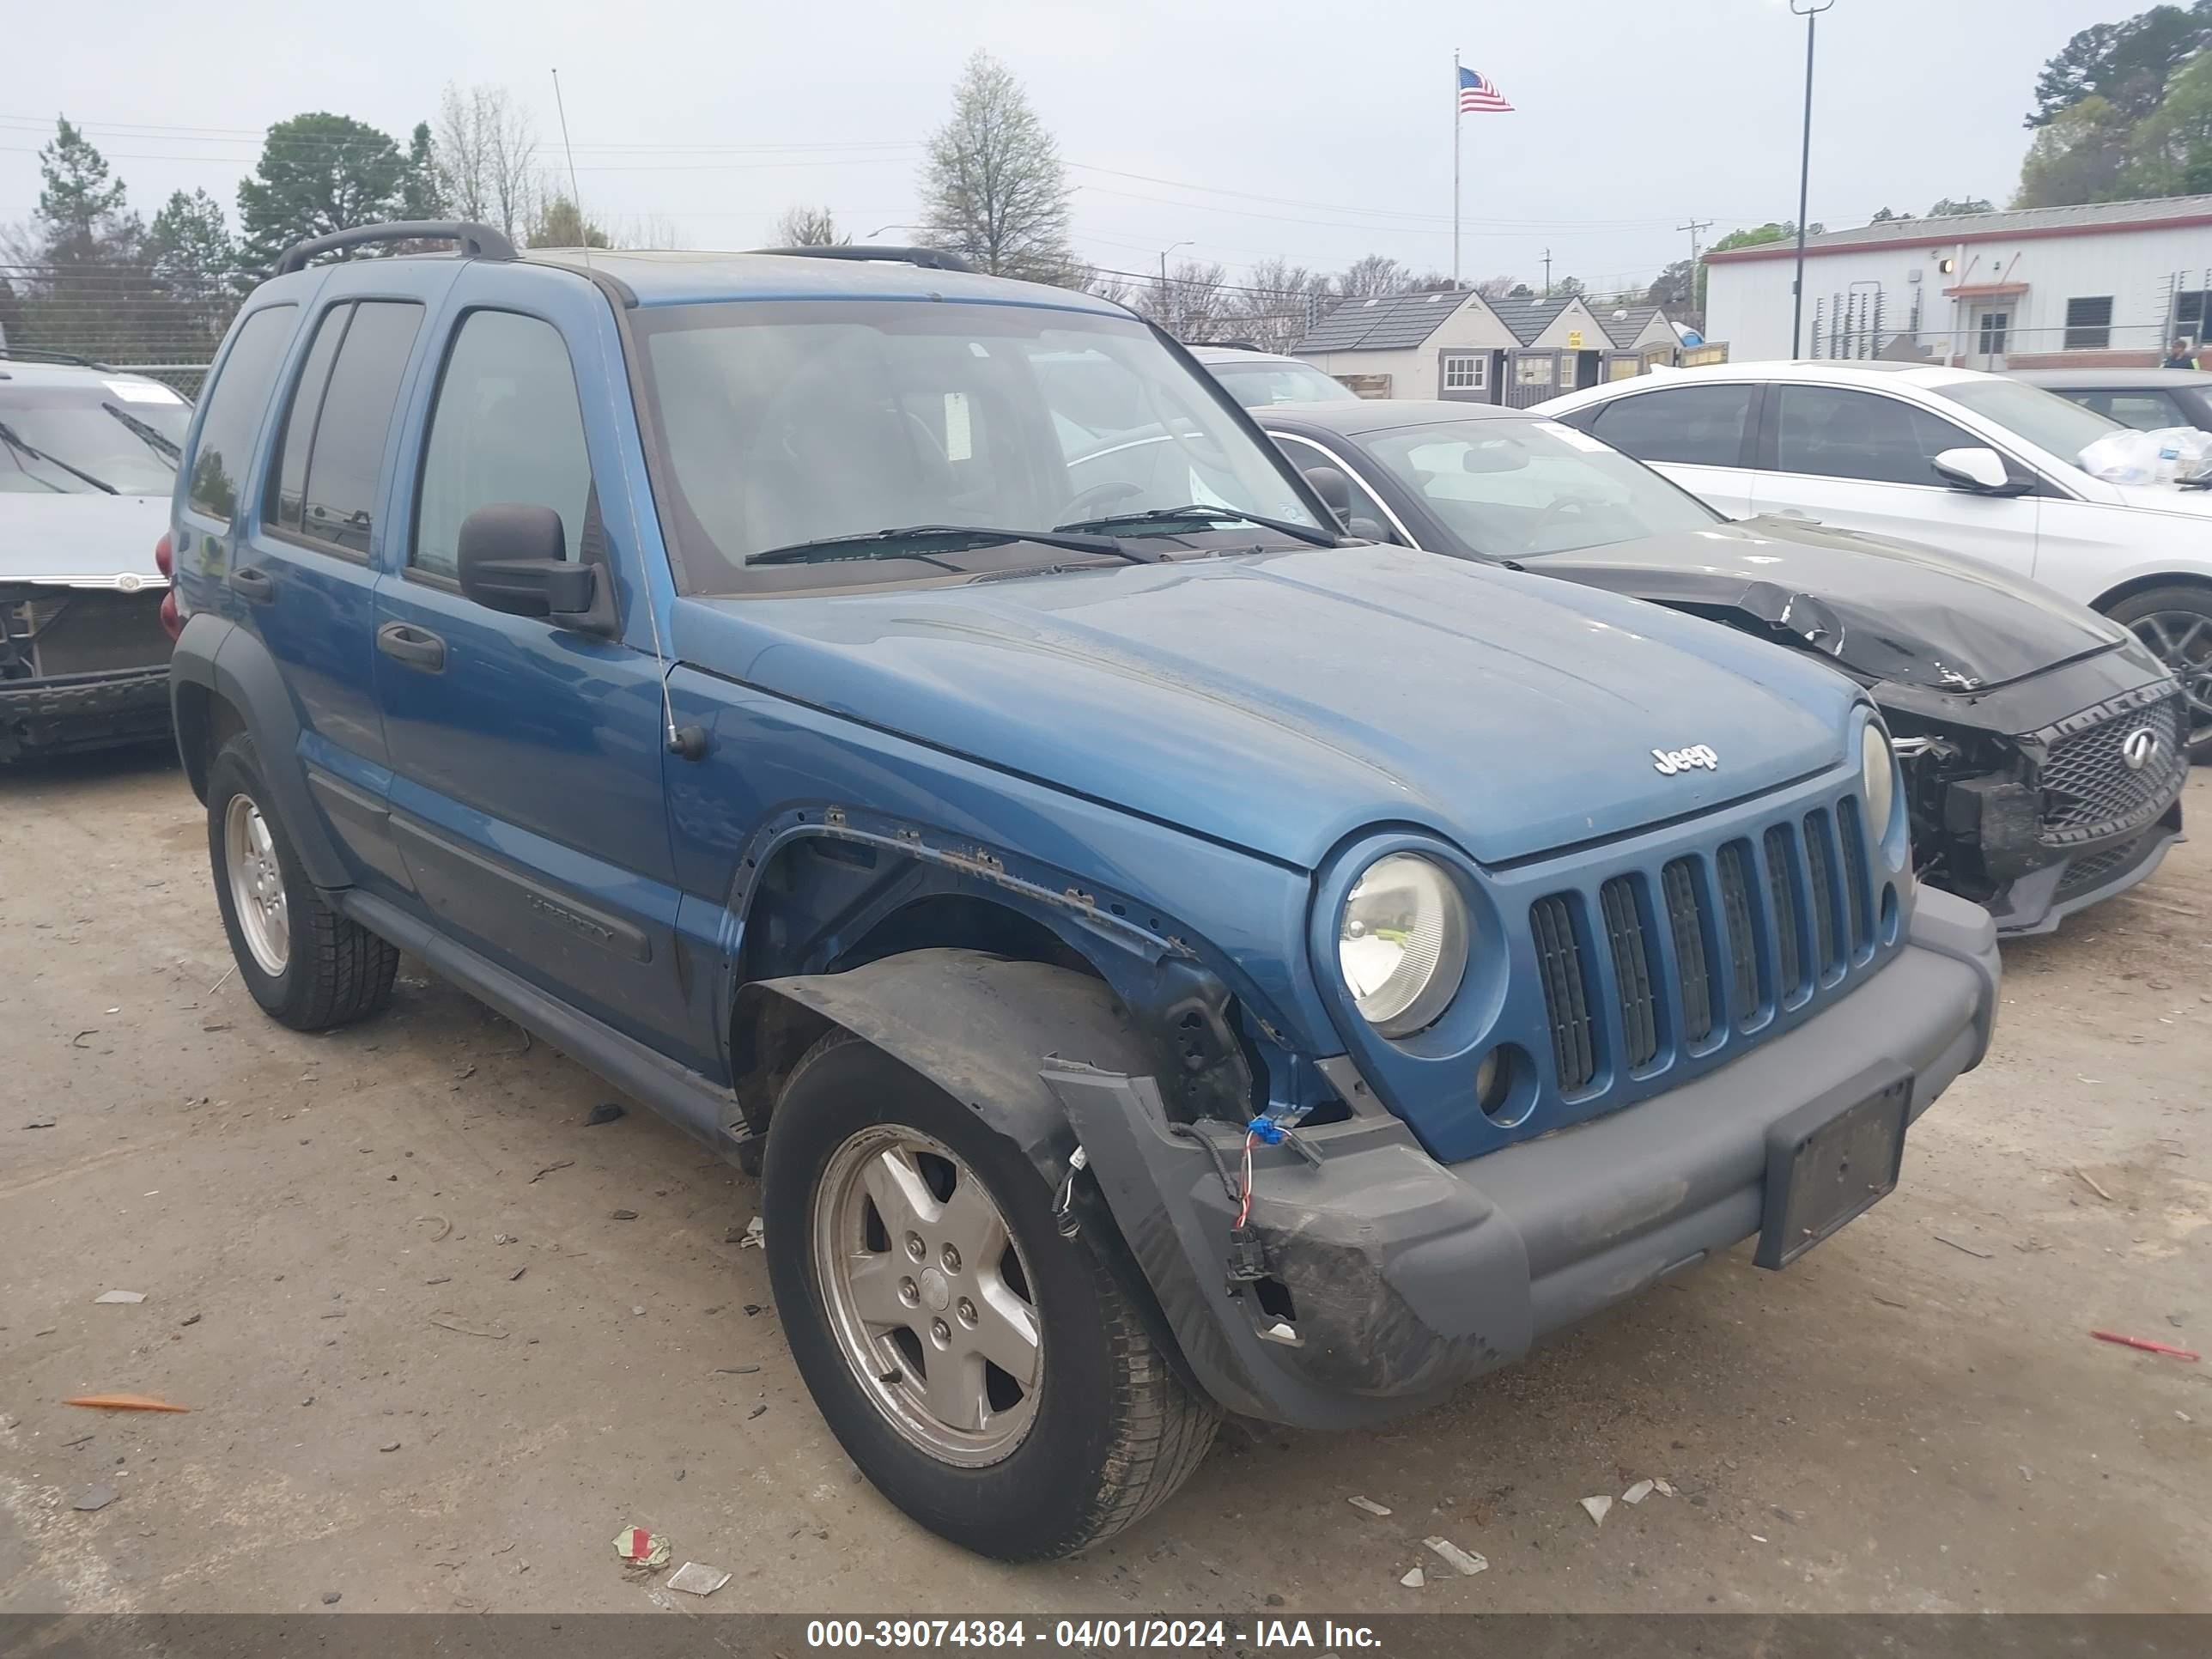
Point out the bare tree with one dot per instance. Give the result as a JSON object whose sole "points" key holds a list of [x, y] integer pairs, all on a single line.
{"points": [[486, 147], [992, 188], [809, 227], [1497, 288], [1375, 276], [1275, 306]]}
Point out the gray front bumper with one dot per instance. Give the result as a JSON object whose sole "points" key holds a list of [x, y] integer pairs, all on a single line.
{"points": [[1406, 1277], [83, 711]]}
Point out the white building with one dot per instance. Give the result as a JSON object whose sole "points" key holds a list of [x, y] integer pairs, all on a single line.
{"points": [[2106, 282]]}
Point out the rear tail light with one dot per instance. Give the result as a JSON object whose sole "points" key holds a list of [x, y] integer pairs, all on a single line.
{"points": [[172, 623], [164, 560]]}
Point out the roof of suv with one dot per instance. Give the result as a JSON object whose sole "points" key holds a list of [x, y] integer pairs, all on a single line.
{"points": [[2119, 379], [664, 278]]}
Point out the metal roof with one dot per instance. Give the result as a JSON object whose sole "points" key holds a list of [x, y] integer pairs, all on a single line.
{"points": [[2081, 219], [1623, 329], [1527, 318], [1387, 323]]}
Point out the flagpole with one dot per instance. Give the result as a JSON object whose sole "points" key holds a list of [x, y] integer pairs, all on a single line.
{"points": [[1456, 124]]}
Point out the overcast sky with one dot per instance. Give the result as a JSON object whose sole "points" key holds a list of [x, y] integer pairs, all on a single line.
{"points": [[1318, 131]]}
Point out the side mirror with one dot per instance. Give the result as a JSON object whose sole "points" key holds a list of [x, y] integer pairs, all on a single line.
{"points": [[511, 558], [1368, 530], [1331, 484], [1977, 469]]}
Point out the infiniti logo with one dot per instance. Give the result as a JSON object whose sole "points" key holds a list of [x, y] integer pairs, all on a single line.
{"points": [[2140, 748]]}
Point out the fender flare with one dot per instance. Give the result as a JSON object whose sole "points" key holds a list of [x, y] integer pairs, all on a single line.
{"points": [[225, 661], [980, 1028]]}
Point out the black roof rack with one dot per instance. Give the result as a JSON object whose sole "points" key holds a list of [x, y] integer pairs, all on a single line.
{"points": [[477, 241], [929, 258], [40, 354]]}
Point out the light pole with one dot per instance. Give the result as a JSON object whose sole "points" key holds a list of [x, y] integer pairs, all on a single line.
{"points": [[880, 229], [1810, 10], [1167, 294]]}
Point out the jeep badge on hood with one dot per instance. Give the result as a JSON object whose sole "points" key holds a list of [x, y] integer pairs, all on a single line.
{"points": [[1671, 761]]}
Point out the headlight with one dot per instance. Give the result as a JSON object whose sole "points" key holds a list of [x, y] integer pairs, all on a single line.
{"points": [[1402, 943], [1877, 779]]}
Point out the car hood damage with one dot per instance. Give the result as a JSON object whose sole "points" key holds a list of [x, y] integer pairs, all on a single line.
{"points": [[1281, 702], [1883, 610]]}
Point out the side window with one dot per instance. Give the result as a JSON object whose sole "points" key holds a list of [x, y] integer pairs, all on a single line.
{"points": [[287, 470], [508, 427], [2146, 411], [1688, 425], [346, 462], [1834, 434], [233, 411]]}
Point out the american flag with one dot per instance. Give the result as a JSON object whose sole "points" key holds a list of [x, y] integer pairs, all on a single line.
{"points": [[1478, 96]]}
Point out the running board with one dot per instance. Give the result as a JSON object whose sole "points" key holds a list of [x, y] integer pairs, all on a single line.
{"points": [[703, 1109]]}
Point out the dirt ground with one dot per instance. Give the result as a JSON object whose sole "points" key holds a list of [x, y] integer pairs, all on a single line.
{"points": [[429, 1369]]}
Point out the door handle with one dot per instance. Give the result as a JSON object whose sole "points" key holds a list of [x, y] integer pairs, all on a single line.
{"points": [[414, 648], [258, 586]]}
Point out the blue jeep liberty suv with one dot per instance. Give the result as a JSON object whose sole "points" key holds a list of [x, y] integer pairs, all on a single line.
{"points": [[910, 728]]}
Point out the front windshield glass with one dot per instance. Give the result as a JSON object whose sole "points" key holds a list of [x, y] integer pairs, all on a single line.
{"points": [[786, 423], [1256, 385], [1517, 489], [2043, 418], [57, 440]]}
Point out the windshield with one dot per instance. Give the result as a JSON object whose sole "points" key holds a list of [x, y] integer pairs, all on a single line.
{"points": [[57, 439], [2042, 418], [1517, 489], [1256, 385], [782, 424]]}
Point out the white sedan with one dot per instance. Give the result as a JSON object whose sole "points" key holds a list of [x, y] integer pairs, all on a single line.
{"points": [[1969, 463]]}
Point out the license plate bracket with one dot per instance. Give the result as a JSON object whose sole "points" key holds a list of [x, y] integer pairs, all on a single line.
{"points": [[1831, 1159]]}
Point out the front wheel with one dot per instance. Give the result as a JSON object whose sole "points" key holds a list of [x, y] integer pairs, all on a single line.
{"points": [[2176, 624], [989, 1376]]}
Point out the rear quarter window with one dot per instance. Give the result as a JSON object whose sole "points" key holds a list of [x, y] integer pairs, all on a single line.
{"points": [[232, 411]]}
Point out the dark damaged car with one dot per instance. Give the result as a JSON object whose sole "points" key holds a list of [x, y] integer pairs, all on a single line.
{"points": [[2042, 744], [87, 461]]}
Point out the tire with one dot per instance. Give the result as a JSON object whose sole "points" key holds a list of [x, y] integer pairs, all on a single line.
{"points": [[1106, 1432], [325, 970], [2176, 624]]}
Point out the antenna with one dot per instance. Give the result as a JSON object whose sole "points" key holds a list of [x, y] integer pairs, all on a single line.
{"points": [[575, 195], [689, 741]]}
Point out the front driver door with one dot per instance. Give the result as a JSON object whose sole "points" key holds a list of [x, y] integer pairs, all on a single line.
{"points": [[1860, 460], [527, 791]]}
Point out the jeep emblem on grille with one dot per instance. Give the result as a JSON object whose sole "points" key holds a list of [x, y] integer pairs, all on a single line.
{"points": [[2139, 748], [1671, 761]]}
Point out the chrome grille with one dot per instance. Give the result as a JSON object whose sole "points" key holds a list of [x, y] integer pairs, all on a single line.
{"points": [[2087, 784], [1666, 966]]}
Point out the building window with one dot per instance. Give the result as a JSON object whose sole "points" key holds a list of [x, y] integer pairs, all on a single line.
{"points": [[1466, 371], [2089, 324], [1533, 370], [1995, 327]]}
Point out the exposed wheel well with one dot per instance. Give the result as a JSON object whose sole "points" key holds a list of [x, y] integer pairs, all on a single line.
{"points": [[2128, 590], [206, 721]]}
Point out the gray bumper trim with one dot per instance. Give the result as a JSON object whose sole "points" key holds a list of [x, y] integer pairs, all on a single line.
{"points": [[1408, 1277]]}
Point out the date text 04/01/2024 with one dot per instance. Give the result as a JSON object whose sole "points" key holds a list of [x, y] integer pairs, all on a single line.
{"points": [[1086, 1634]]}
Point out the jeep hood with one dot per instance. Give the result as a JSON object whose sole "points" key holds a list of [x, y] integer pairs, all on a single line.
{"points": [[1882, 610], [87, 537], [1280, 702]]}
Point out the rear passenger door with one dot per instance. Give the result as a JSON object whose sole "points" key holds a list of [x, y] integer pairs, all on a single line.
{"points": [[303, 577], [1700, 436], [526, 789]]}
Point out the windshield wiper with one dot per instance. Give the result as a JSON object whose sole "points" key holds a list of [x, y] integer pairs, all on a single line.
{"points": [[153, 437], [893, 544], [9, 437], [1200, 513]]}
